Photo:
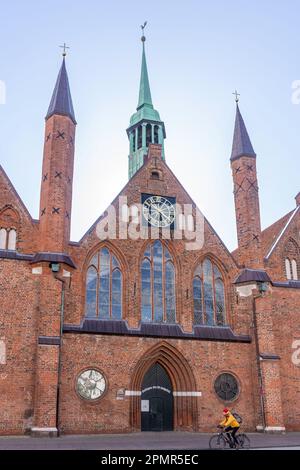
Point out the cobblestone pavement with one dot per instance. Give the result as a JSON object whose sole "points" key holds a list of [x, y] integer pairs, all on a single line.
{"points": [[148, 441]]}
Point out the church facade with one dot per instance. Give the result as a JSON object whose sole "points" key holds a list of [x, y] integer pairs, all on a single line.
{"points": [[148, 323]]}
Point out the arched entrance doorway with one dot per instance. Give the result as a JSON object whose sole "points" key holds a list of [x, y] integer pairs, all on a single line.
{"points": [[183, 386], [156, 400]]}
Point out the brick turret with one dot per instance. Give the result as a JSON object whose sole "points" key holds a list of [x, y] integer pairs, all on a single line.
{"points": [[57, 173], [52, 263], [243, 164]]}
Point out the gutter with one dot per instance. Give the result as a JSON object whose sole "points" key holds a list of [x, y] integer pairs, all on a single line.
{"points": [[62, 307], [260, 375]]}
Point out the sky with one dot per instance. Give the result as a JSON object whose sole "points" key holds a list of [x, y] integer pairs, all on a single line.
{"points": [[198, 53]]}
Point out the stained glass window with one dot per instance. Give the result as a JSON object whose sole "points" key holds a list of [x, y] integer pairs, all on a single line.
{"points": [[208, 294], [104, 287], [170, 300], [158, 285], [198, 311], [91, 292]]}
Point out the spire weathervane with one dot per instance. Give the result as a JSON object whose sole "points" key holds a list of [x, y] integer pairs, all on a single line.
{"points": [[64, 47], [237, 99], [143, 38]]}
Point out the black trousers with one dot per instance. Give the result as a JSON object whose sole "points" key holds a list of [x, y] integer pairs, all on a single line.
{"points": [[233, 432]]}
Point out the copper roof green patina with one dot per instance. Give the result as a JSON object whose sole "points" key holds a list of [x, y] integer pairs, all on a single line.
{"points": [[145, 110], [145, 125]]}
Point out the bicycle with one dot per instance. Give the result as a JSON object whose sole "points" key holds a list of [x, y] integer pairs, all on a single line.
{"points": [[222, 440]]}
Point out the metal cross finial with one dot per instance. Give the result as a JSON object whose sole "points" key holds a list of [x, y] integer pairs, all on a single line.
{"points": [[236, 96], [143, 38], [64, 47]]}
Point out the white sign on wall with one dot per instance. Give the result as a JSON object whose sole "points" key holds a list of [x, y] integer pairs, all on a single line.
{"points": [[2, 352], [145, 405]]}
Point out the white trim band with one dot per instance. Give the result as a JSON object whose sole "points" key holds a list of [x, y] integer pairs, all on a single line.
{"points": [[137, 393], [43, 429], [275, 428]]}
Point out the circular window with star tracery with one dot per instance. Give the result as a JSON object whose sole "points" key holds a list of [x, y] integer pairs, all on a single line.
{"points": [[227, 387], [91, 384]]}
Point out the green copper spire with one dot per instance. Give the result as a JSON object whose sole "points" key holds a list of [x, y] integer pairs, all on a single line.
{"points": [[145, 125], [145, 93]]}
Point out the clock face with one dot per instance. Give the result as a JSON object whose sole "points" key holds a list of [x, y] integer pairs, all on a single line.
{"points": [[91, 384], [158, 211]]}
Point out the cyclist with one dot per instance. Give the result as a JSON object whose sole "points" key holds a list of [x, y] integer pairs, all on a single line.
{"points": [[230, 425]]}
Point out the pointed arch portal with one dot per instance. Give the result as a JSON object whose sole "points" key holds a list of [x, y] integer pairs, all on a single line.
{"points": [[164, 378], [156, 400]]}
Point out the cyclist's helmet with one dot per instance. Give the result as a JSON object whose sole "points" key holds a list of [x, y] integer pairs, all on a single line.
{"points": [[225, 411]]}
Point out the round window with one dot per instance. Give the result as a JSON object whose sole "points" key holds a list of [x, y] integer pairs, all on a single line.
{"points": [[226, 387], [91, 384]]}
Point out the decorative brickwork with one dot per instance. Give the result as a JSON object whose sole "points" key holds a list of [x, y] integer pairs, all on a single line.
{"points": [[46, 340]]}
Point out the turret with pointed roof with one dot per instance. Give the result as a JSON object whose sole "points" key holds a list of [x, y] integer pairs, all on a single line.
{"points": [[145, 125], [57, 173], [246, 198], [61, 101], [241, 145]]}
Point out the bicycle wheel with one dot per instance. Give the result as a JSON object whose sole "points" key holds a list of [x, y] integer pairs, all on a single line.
{"points": [[244, 441], [217, 442]]}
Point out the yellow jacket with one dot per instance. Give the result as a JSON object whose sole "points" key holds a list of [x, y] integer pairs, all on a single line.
{"points": [[229, 421]]}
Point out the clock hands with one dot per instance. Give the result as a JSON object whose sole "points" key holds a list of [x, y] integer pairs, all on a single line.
{"points": [[159, 211]]}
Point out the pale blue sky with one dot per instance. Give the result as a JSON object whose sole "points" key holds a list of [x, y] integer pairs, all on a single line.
{"points": [[198, 52]]}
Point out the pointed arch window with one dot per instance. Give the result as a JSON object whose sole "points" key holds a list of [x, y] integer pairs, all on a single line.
{"points": [[3, 238], [294, 270], [291, 269], [8, 239], [104, 287], [158, 285], [288, 269], [12, 239], [291, 260], [208, 295]]}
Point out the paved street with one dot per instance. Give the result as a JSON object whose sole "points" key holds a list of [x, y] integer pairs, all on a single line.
{"points": [[148, 441]]}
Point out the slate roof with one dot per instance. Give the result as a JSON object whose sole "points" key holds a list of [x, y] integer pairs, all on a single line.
{"points": [[248, 275], [161, 330], [61, 101], [241, 145]]}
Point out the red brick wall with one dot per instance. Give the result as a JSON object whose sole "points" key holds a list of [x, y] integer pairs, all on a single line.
{"points": [[286, 314], [247, 212], [30, 306], [56, 184], [287, 247], [18, 328], [13, 214], [117, 357]]}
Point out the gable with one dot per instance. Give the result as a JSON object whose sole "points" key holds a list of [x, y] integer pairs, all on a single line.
{"points": [[275, 236], [156, 178], [10, 201]]}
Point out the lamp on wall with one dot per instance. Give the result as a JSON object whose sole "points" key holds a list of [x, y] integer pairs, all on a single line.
{"points": [[54, 267], [262, 287]]}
